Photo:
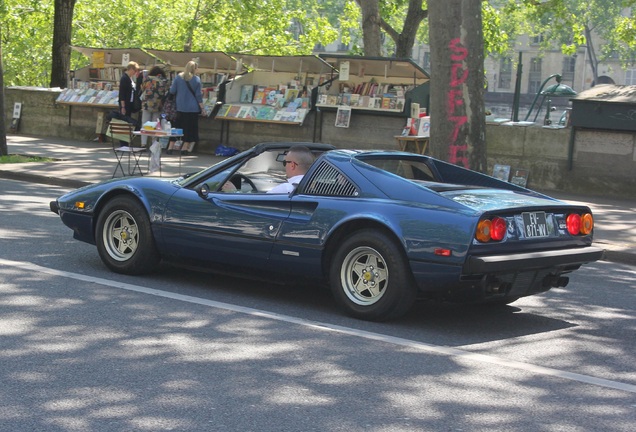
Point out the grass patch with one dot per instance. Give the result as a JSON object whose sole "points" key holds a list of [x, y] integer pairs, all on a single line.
{"points": [[22, 159]]}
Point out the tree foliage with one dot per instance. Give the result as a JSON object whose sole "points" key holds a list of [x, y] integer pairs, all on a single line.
{"points": [[287, 27], [502, 22], [571, 24], [399, 19], [26, 42], [275, 27]]}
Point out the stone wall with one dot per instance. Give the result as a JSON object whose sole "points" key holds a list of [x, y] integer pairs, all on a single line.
{"points": [[581, 161], [602, 162]]}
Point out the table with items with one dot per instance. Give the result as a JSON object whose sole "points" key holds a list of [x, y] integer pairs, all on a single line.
{"points": [[420, 142], [155, 148]]}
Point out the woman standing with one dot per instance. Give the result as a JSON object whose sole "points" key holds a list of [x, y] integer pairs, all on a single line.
{"points": [[127, 87], [187, 88], [153, 89]]}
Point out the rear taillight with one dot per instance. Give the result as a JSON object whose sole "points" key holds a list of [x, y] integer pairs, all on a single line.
{"points": [[573, 222], [577, 224], [491, 229], [498, 229]]}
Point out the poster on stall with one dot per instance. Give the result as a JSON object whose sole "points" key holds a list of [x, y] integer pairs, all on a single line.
{"points": [[343, 116], [15, 121], [344, 71], [98, 59]]}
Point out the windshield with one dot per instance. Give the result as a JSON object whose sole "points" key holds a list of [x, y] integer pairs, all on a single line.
{"points": [[194, 178], [265, 170], [245, 173]]}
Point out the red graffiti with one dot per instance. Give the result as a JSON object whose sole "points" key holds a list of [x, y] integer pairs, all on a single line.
{"points": [[454, 100], [460, 53], [457, 80], [457, 153], [458, 121]]}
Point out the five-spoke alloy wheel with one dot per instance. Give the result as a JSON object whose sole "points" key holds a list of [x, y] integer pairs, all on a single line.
{"points": [[370, 277], [124, 238]]}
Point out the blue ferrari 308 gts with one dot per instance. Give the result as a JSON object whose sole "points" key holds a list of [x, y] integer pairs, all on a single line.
{"points": [[380, 228]]}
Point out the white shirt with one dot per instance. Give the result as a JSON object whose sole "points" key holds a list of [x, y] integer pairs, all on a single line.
{"points": [[288, 186]]}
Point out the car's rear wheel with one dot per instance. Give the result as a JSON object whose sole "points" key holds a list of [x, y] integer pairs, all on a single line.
{"points": [[124, 237], [370, 277]]}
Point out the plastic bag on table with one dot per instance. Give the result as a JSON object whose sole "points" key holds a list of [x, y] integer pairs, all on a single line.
{"points": [[155, 157]]}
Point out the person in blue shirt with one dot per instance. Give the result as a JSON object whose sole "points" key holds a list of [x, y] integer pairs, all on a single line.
{"points": [[187, 88]]}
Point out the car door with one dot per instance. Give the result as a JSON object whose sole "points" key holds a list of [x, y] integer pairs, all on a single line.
{"points": [[225, 228]]}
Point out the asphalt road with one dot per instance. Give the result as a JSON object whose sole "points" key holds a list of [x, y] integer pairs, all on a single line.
{"points": [[83, 349]]}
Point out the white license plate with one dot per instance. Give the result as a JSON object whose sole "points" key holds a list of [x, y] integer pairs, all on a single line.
{"points": [[534, 224]]}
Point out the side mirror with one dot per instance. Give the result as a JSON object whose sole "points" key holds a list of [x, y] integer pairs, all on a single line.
{"points": [[203, 191]]}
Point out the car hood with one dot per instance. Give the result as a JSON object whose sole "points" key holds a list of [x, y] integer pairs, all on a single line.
{"points": [[491, 199]]}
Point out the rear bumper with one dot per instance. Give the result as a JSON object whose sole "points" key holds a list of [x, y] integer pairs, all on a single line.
{"points": [[532, 260]]}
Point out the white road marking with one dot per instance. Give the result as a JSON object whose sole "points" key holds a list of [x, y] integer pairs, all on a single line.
{"points": [[436, 349]]}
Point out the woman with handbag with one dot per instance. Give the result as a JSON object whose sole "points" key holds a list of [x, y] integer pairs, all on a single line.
{"points": [[187, 88]]}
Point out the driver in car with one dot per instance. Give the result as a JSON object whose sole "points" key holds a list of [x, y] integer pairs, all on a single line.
{"points": [[297, 162]]}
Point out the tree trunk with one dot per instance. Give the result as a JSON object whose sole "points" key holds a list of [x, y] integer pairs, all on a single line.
{"points": [[61, 53], [592, 54], [4, 150], [404, 41], [458, 122], [371, 38], [187, 45]]}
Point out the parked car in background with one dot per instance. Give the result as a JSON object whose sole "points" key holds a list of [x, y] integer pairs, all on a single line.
{"points": [[380, 228]]}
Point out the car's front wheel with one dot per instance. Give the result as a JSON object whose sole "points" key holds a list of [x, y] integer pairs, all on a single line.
{"points": [[124, 237], [370, 277]]}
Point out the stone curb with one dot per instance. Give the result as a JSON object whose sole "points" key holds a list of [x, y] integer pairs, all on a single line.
{"points": [[621, 257], [36, 178]]}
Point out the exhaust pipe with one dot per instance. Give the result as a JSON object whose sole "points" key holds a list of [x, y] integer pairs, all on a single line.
{"points": [[556, 281]]}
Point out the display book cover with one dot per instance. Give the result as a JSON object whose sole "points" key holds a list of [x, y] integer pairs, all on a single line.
{"points": [[343, 116], [516, 176], [247, 93]]}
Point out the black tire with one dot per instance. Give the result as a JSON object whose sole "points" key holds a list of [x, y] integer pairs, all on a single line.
{"points": [[370, 277], [124, 237]]}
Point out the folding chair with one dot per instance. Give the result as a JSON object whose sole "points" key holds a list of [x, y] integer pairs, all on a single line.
{"points": [[121, 131]]}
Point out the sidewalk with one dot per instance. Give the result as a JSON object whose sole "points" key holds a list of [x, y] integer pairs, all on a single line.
{"points": [[80, 163], [84, 162]]}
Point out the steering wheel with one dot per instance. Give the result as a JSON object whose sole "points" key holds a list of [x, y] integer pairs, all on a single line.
{"points": [[238, 179]]}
